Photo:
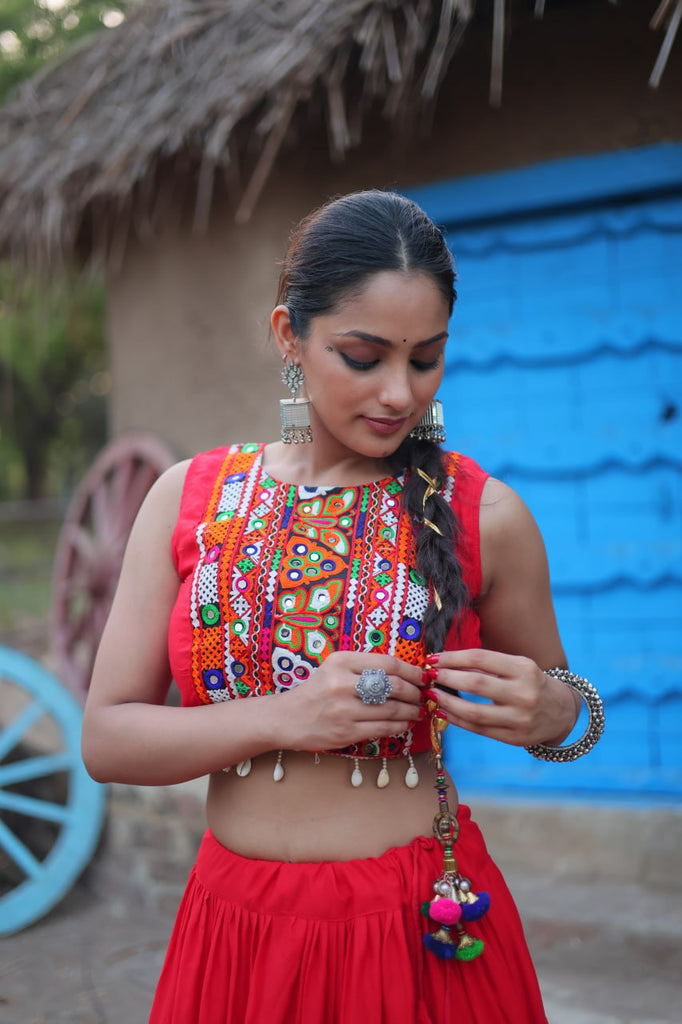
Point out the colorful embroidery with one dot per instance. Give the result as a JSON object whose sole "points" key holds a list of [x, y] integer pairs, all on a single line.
{"points": [[289, 574]]}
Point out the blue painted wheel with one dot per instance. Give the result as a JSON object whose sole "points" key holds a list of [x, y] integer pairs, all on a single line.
{"points": [[51, 811]]}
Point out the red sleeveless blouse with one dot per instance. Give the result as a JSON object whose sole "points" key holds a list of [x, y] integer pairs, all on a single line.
{"points": [[277, 576]]}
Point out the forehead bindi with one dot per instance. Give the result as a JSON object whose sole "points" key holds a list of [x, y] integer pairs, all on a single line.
{"points": [[377, 339]]}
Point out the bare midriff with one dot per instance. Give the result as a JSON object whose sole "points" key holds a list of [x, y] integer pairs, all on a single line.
{"points": [[315, 814]]}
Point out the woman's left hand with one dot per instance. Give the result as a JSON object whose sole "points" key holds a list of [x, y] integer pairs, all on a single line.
{"points": [[522, 705]]}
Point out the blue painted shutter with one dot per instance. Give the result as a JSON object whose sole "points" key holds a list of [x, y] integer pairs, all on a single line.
{"points": [[564, 378]]}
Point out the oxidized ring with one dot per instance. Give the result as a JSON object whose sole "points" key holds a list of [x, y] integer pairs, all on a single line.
{"points": [[374, 686]]}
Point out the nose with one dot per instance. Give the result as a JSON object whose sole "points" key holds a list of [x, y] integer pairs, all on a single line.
{"points": [[395, 392]]}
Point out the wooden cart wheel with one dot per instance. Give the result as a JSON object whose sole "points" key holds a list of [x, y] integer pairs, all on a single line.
{"points": [[91, 546], [51, 811]]}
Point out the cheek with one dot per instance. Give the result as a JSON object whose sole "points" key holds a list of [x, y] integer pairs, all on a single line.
{"points": [[425, 389]]}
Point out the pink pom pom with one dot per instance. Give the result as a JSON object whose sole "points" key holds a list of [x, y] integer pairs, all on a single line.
{"points": [[445, 911]]}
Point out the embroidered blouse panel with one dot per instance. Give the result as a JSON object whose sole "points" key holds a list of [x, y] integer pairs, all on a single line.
{"points": [[277, 576]]}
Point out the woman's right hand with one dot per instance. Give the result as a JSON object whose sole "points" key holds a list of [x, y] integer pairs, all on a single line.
{"points": [[326, 711]]}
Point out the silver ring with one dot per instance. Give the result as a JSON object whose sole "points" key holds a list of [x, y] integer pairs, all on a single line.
{"points": [[374, 686]]}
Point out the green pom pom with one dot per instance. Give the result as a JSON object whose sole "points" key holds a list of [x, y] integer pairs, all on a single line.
{"points": [[425, 908], [470, 951]]}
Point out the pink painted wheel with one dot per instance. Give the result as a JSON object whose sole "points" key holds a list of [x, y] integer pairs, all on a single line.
{"points": [[91, 546]]}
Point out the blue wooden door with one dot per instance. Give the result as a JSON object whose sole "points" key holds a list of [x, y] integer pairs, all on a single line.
{"points": [[564, 378]]}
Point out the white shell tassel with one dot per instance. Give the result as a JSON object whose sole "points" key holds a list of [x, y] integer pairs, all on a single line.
{"points": [[278, 773], [356, 777], [243, 768], [383, 777], [411, 775]]}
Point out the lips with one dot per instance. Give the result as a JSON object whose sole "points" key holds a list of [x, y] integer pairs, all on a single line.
{"points": [[382, 425]]}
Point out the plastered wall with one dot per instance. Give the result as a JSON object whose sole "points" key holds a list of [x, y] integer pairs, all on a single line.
{"points": [[188, 315]]}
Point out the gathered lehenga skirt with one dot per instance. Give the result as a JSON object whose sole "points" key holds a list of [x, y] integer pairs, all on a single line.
{"points": [[272, 942]]}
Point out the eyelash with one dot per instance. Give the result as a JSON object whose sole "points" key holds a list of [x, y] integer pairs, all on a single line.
{"points": [[418, 366]]}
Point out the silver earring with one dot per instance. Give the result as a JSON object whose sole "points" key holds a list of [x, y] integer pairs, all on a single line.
{"points": [[294, 412], [431, 426]]}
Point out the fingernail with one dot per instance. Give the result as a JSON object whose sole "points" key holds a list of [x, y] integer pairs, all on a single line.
{"points": [[423, 712], [432, 659], [431, 695], [429, 675]]}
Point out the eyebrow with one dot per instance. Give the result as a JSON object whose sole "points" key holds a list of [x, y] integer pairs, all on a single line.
{"points": [[376, 339]]}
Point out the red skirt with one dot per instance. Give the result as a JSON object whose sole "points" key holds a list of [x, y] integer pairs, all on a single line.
{"points": [[340, 942]]}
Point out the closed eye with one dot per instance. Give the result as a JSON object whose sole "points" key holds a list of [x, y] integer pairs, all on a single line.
{"points": [[421, 367], [357, 364], [418, 365]]}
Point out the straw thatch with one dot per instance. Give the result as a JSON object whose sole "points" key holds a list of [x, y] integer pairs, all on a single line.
{"points": [[191, 92]]}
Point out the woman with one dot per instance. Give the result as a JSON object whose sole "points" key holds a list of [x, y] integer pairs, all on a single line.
{"points": [[351, 585]]}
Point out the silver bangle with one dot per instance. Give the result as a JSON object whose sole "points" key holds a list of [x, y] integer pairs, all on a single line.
{"points": [[595, 724]]}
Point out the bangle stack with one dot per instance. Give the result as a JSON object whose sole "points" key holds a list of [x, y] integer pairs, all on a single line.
{"points": [[595, 724]]}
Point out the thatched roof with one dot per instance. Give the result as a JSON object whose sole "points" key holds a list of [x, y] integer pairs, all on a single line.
{"points": [[197, 90]]}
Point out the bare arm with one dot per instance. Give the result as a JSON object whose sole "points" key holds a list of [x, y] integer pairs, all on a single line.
{"points": [[515, 607], [130, 736], [519, 636], [128, 733]]}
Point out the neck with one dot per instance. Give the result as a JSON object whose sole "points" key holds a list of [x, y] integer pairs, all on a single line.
{"points": [[319, 465]]}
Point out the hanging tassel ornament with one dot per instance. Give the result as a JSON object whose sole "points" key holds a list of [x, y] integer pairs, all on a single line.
{"points": [[356, 775], [454, 903]]}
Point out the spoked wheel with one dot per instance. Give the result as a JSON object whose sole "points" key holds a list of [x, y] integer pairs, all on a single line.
{"points": [[91, 547], [51, 811]]}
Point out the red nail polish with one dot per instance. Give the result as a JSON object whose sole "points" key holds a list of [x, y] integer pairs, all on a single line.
{"points": [[423, 712], [431, 695], [431, 674], [432, 659]]}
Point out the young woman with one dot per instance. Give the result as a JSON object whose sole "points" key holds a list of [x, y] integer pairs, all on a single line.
{"points": [[328, 606]]}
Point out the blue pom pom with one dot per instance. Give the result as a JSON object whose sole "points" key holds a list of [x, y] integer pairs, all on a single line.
{"points": [[442, 951], [475, 911]]}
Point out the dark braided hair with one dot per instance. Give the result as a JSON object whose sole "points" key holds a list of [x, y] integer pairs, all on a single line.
{"points": [[331, 255]]}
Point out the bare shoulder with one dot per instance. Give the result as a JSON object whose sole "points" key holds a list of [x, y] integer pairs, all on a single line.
{"points": [[172, 480], [164, 496], [503, 509], [156, 519], [515, 606], [510, 537]]}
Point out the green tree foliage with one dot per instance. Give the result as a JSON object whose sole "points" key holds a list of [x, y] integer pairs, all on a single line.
{"points": [[35, 31], [53, 362], [53, 382]]}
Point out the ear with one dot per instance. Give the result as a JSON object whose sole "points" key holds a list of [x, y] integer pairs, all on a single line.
{"points": [[282, 331]]}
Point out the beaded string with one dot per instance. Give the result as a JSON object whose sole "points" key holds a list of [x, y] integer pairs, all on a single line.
{"points": [[454, 900]]}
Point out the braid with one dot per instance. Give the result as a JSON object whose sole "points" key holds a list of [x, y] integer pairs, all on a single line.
{"points": [[437, 530]]}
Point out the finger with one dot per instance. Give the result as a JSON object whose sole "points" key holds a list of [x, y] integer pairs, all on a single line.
{"points": [[392, 666], [404, 691], [401, 688], [502, 733], [480, 659], [450, 682], [401, 693], [499, 721], [404, 699]]}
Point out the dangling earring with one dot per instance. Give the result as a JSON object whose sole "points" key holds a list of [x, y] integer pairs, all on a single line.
{"points": [[294, 412], [431, 426]]}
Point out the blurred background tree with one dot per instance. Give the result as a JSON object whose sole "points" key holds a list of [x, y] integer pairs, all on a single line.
{"points": [[33, 32], [53, 382], [53, 361]]}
